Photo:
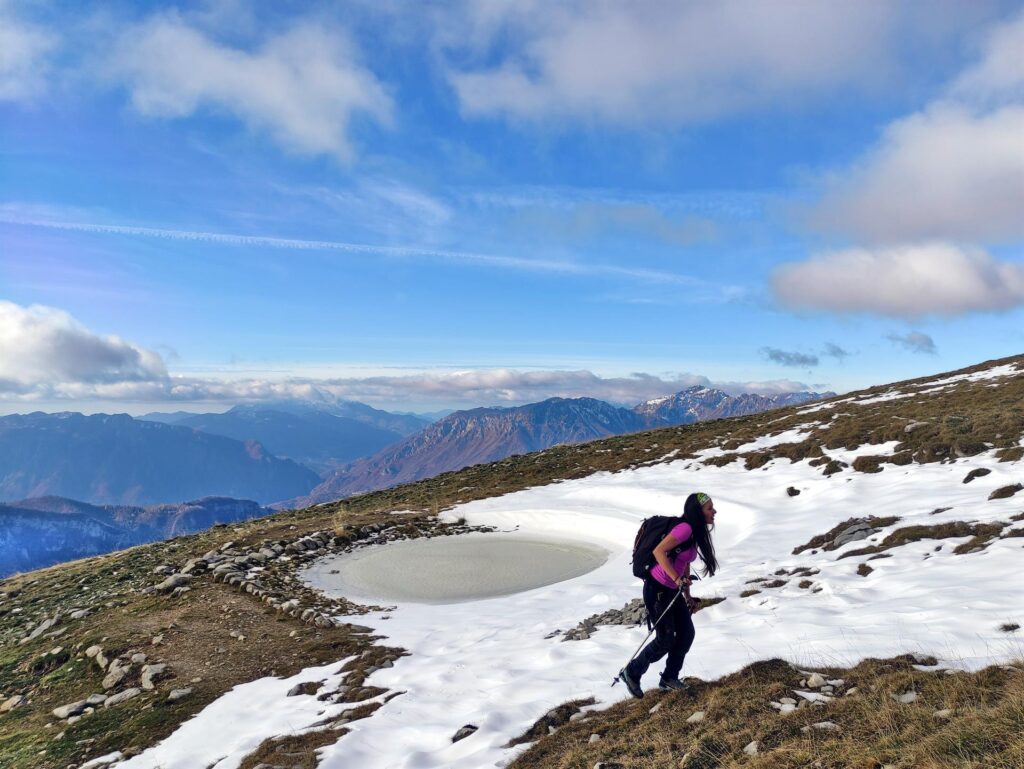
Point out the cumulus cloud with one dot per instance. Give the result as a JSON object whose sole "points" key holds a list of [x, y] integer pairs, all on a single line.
{"points": [[302, 86], [901, 281], [953, 170], [945, 172], [25, 50], [42, 347], [999, 72], [787, 358], [642, 63], [915, 341]]}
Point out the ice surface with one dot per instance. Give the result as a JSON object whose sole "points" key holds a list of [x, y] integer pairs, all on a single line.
{"points": [[452, 569]]}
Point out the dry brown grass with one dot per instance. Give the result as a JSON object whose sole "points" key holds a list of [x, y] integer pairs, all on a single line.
{"points": [[825, 541], [980, 533], [985, 729]]}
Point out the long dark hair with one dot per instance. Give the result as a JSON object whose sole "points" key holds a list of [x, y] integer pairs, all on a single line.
{"points": [[693, 514]]}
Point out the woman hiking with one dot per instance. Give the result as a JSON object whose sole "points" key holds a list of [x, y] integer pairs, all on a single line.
{"points": [[669, 578]]}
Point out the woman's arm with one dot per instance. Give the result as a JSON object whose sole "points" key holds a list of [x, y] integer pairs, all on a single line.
{"points": [[661, 552]]}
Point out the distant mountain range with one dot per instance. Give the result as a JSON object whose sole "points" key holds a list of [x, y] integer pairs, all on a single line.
{"points": [[475, 436], [47, 530], [266, 452], [317, 439], [115, 459]]}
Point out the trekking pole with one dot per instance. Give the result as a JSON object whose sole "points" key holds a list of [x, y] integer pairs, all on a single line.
{"points": [[654, 627]]}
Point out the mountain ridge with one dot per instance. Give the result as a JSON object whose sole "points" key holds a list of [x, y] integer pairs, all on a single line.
{"points": [[480, 435]]}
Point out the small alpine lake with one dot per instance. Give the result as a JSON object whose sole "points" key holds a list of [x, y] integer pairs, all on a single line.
{"points": [[444, 570]]}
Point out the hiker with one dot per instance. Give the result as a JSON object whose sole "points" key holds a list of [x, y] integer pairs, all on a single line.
{"points": [[670, 579]]}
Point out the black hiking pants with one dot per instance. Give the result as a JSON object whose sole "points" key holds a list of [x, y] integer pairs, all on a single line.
{"points": [[673, 635]]}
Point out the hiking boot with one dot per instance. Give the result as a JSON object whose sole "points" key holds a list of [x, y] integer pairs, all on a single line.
{"points": [[672, 685], [631, 683]]}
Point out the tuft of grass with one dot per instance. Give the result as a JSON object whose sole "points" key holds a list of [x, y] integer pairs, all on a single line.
{"points": [[825, 541], [981, 534], [1003, 492]]}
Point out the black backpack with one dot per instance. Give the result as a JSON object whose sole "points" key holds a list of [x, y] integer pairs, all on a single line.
{"points": [[652, 531]]}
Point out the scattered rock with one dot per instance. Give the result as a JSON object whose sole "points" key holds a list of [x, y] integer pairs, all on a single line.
{"points": [[464, 732], [696, 718], [115, 676], [821, 726], [815, 681], [41, 628], [306, 687], [95, 699], [944, 713], [13, 702], [72, 709], [906, 698], [173, 581], [594, 738], [793, 492], [157, 640], [151, 673], [853, 533], [120, 697], [751, 748], [178, 694]]}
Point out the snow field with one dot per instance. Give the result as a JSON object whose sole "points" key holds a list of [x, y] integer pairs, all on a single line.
{"points": [[491, 664]]}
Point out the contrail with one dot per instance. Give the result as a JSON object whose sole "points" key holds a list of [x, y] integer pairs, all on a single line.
{"points": [[489, 260]]}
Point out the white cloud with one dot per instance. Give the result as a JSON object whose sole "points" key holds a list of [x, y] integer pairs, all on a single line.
{"points": [[915, 341], [46, 355], [302, 86], [945, 172], [954, 169], [25, 50], [789, 357], [901, 281], [463, 389], [14, 215], [640, 63], [999, 73], [42, 347]]}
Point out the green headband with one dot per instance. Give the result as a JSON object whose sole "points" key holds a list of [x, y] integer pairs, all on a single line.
{"points": [[702, 498]]}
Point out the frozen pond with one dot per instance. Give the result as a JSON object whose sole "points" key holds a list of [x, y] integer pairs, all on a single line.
{"points": [[444, 570]]}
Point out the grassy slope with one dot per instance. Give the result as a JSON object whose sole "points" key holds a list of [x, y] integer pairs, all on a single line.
{"points": [[961, 420]]}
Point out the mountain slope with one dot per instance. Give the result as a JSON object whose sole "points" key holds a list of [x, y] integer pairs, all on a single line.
{"points": [[314, 438], [112, 458], [479, 435], [926, 473]]}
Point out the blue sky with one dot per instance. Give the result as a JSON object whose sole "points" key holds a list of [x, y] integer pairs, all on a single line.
{"points": [[486, 203]]}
